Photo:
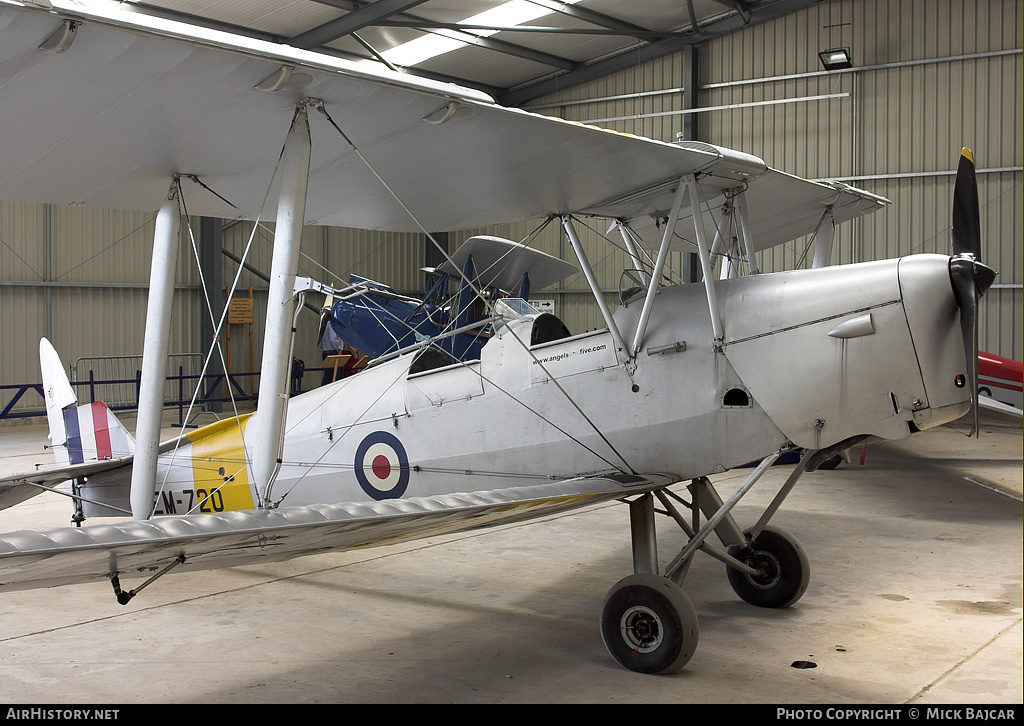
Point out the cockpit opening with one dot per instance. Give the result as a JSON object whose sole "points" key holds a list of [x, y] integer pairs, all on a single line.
{"points": [[547, 328], [428, 359]]}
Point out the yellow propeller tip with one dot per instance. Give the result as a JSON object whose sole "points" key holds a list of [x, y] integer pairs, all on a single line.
{"points": [[967, 152]]}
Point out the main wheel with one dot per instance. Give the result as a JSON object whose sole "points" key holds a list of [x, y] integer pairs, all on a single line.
{"points": [[782, 565], [831, 463], [649, 625]]}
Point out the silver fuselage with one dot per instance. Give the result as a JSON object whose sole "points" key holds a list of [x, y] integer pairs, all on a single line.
{"points": [[808, 358], [685, 405]]}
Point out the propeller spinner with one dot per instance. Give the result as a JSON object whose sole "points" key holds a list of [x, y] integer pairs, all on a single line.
{"points": [[969, 277]]}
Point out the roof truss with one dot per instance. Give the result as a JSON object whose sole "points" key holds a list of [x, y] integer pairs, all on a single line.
{"points": [[366, 30]]}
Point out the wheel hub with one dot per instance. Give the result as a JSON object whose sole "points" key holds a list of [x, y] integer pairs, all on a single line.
{"points": [[641, 629], [769, 569]]}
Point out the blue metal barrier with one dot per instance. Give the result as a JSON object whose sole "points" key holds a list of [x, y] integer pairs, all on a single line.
{"points": [[182, 383], [86, 392]]}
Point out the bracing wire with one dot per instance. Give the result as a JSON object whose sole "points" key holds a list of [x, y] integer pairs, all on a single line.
{"points": [[219, 325], [320, 107], [470, 283]]}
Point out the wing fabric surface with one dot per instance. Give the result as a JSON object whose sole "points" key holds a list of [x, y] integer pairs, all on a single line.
{"points": [[135, 100], [31, 559], [502, 264], [16, 488]]}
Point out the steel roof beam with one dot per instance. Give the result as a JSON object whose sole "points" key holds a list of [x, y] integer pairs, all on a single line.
{"points": [[745, 9], [639, 54], [434, 24], [351, 22], [594, 18], [407, 19]]}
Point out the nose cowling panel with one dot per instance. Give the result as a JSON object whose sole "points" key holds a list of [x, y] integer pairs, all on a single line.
{"points": [[829, 353], [934, 318]]}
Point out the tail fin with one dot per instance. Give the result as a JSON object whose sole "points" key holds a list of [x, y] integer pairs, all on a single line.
{"points": [[89, 432]]}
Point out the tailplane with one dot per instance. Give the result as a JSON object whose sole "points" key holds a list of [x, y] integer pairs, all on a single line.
{"points": [[78, 434]]}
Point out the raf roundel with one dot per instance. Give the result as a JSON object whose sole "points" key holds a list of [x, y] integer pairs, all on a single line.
{"points": [[382, 466]]}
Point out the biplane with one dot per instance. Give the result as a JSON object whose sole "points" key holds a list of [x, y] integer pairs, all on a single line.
{"points": [[377, 321], [109, 107]]}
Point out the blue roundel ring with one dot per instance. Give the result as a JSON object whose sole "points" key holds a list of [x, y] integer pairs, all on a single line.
{"points": [[382, 466]]}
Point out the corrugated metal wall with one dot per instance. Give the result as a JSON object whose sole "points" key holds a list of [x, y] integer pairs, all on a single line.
{"points": [[927, 81], [80, 277]]}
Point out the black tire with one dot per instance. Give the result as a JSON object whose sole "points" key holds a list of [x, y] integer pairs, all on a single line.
{"points": [[649, 625], [830, 463], [784, 569]]}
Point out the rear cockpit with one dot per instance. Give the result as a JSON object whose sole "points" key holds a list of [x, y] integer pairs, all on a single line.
{"points": [[507, 315]]}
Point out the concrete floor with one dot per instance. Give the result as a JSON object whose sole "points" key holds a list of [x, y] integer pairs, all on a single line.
{"points": [[915, 597]]}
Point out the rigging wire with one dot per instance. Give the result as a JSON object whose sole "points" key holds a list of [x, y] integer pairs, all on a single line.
{"points": [[257, 223], [319, 105], [334, 441], [465, 365], [219, 326]]}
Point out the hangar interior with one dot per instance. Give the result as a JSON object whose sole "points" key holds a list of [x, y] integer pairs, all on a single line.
{"points": [[743, 75], [915, 598]]}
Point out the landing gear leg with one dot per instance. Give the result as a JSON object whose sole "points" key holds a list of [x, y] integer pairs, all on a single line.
{"points": [[766, 565], [648, 623]]}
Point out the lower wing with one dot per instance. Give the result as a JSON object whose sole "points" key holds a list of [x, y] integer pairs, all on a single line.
{"points": [[31, 559]]}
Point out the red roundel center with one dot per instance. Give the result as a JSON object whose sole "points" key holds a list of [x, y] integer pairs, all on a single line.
{"points": [[381, 467]]}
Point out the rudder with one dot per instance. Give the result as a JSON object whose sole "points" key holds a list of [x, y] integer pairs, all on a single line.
{"points": [[90, 432]]}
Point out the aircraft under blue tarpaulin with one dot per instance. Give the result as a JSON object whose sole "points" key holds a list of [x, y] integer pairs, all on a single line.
{"points": [[377, 320], [108, 106]]}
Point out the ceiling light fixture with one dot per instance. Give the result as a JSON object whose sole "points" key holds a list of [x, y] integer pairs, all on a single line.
{"points": [[515, 12]]}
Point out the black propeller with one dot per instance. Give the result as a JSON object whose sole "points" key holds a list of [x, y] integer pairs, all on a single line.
{"points": [[969, 277]]}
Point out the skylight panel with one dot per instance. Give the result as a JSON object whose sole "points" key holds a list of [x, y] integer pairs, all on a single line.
{"points": [[431, 45]]}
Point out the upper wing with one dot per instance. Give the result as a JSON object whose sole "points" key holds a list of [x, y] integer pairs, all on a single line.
{"points": [[501, 263], [135, 99], [781, 207], [69, 555]]}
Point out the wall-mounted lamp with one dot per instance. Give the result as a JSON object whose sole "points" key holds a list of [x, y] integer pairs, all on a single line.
{"points": [[835, 59]]}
